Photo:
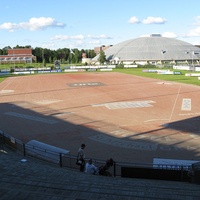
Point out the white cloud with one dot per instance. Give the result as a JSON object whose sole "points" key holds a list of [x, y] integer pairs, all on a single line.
{"points": [[154, 20], [196, 42], [95, 42], [66, 37], [102, 36], [33, 24], [9, 26], [194, 32], [77, 37], [41, 23], [76, 44], [197, 21], [169, 35], [79, 43], [60, 37], [134, 20]]}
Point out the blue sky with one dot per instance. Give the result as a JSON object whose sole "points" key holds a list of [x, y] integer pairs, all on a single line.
{"points": [[87, 24]]}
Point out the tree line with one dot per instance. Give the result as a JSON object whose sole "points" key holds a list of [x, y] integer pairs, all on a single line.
{"points": [[65, 55]]}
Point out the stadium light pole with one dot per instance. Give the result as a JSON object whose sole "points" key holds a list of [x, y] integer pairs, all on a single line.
{"points": [[71, 52], [193, 60], [193, 53]]}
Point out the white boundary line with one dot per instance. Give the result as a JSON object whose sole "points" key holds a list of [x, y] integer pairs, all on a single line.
{"points": [[175, 102]]}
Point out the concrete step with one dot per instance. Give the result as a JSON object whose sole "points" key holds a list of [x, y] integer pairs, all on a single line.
{"points": [[36, 179]]}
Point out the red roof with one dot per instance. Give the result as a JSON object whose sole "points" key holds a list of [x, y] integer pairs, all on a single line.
{"points": [[19, 52]]}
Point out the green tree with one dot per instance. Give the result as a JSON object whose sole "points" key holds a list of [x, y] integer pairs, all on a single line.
{"points": [[102, 57], [77, 56], [74, 56], [5, 50], [64, 55], [38, 52]]}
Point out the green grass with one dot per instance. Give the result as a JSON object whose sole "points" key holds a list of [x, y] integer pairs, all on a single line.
{"points": [[176, 78], [3, 77], [139, 72]]}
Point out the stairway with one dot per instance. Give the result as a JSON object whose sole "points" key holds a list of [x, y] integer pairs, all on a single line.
{"points": [[33, 179]]}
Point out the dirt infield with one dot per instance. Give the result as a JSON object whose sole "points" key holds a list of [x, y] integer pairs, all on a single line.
{"points": [[129, 118]]}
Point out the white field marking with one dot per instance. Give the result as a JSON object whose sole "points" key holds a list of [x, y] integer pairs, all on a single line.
{"points": [[86, 84], [121, 133], [190, 114], [6, 91], [8, 81], [48, 101], [153, 120], [186, 104], [194, 136], [177, 95], [129, 104], [30, 117], [138, 145]]}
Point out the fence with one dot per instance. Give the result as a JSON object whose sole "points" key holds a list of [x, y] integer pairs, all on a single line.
{"points": [[121, 169]]}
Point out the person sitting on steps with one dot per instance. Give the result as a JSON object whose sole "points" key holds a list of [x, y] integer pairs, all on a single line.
{"points": [[90, 168], [103, 170]]}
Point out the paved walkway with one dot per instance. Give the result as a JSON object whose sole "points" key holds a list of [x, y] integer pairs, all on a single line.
{"points": [[36, 179]]}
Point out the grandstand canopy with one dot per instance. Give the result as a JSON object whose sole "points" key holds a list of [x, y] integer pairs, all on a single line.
{"points": [[153, 49]]}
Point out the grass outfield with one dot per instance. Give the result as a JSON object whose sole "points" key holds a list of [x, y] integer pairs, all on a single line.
{"points": [[139, 72], [177, 78]]}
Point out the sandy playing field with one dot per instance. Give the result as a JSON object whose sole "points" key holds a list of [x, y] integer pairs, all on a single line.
{"points": [[128, 118]]}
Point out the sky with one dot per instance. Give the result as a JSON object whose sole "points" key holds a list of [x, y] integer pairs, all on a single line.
{"points": [[87, 24]]}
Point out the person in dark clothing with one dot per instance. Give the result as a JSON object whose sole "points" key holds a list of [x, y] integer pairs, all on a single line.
{"points": [[103, 170], [81, 158]]}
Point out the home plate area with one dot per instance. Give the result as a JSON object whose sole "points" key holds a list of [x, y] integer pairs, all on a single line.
{"points": [[88, 84]]}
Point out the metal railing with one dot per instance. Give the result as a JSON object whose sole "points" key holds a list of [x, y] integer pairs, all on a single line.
{"points": [[68, 160]]}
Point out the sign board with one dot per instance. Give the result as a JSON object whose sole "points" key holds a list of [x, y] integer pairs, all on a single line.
{"points": [[172, 163]]}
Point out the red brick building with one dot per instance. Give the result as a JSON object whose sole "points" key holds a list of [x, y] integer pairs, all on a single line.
{"points": [[18, 56]]}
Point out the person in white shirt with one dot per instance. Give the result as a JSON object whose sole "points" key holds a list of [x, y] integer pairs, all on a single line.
{"points": [[90, 168]]}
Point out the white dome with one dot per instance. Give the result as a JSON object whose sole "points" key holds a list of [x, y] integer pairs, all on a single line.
{"points": [[154, 48]]}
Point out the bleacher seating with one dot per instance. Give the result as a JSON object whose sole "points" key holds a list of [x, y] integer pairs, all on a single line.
{"points": [[30, 178]]}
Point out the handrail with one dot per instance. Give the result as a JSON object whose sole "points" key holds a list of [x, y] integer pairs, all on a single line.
{"points": [[68, 160]]}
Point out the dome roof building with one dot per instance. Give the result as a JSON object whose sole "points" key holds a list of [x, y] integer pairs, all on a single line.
{"points": [[154, 49]]}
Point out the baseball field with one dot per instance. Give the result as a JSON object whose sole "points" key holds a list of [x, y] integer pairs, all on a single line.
{"points": [[126, 117]]}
